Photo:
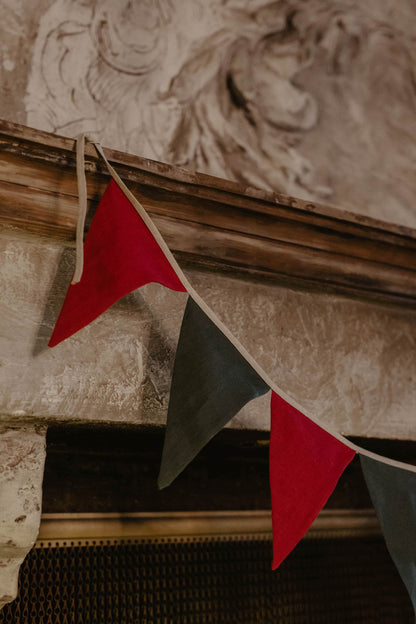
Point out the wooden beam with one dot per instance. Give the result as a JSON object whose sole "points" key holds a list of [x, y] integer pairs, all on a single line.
{"points": [[211, 222]]}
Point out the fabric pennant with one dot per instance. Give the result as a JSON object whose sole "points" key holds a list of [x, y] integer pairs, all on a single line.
{"points": [[393, 492], [305, 465], [120, 255], [211, 382]]}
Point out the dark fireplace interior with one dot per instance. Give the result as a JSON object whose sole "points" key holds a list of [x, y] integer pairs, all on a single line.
{"points": [[335, 577]]}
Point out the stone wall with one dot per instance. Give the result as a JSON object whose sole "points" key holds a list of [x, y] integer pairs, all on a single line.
{"points": [[350, 363]]}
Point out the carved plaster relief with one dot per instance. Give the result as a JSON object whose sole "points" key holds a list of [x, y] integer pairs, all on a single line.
{"points": [[206, 85], [315, 99], [21, 474]]}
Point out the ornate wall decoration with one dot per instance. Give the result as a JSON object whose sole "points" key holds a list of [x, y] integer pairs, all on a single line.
{"points": [[315, 99]]}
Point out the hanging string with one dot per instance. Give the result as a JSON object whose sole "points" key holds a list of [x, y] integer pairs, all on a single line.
{"points": [[273, 386], [82, 209]]}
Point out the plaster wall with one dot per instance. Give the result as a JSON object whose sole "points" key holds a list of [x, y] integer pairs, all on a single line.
{"points": [[351, 364], [314, 99]]}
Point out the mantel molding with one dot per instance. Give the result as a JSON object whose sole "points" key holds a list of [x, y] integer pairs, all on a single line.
{"points": [[210, 222]]}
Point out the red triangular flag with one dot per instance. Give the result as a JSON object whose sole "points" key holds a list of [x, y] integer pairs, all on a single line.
{"points": [[120, 255], [305, 465]]}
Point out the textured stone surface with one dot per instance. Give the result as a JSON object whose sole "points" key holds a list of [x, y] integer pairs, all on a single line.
{"points": [[352, 364], [103, 371], [22, 453], [315, 99], [349, 363]]}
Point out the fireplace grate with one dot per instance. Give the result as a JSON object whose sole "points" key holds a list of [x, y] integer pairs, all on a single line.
{"points": [[208, 581]]}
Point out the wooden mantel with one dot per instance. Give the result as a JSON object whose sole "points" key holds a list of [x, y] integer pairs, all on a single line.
{"points": [[211, 222]]}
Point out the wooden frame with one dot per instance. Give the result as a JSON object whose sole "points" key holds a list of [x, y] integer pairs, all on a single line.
{"points": [[210, 222]]}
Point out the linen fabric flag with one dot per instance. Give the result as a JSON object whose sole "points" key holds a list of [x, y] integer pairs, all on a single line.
{"points": [[393, 492], [211, 382], [120, 255], [305, 464]]}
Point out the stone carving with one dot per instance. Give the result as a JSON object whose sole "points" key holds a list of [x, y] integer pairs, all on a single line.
{"points": [[315, 99], [208, 85], [21, 473]]}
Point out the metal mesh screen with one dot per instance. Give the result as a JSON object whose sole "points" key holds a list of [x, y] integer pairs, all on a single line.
{"points": [[201, 581]]}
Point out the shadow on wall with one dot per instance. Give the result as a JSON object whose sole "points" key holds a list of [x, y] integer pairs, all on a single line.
{"points": [[54, 300]]}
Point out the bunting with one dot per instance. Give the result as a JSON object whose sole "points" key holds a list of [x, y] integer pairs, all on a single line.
{"points": [[305, 465], [393, 492], [120, 255], [211, 382], [214, 377]]}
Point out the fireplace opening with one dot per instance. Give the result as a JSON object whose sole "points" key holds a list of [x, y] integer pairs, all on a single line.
{"points": [[217, 571]]}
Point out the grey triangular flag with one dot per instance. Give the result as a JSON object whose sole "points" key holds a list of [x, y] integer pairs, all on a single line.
{"points": [[393, 492], [211, 382]]}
